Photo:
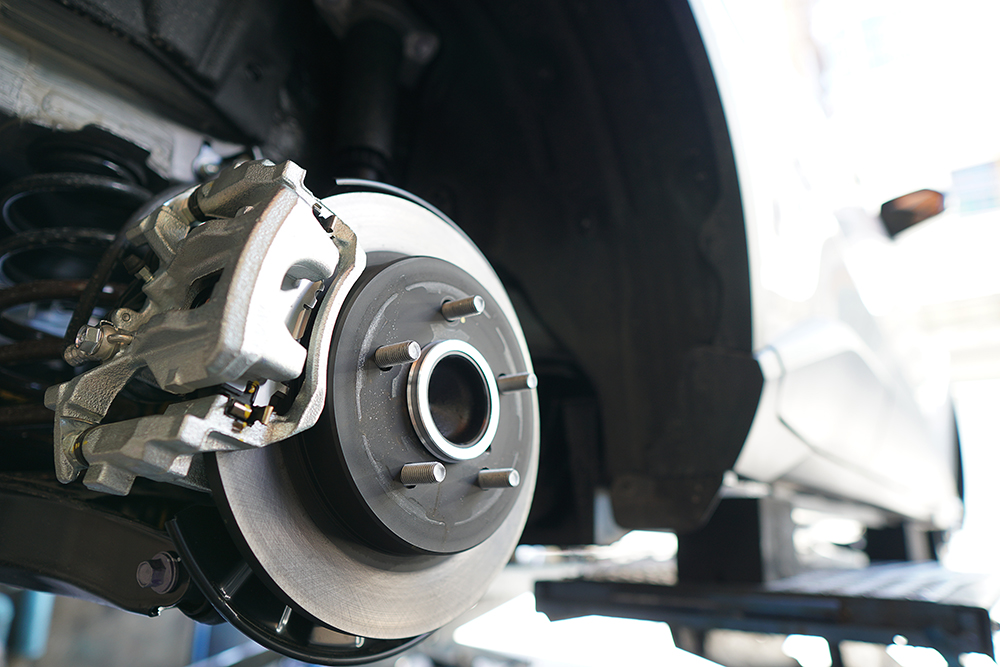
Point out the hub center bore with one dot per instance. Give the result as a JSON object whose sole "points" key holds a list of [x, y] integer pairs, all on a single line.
{"points": [[453, 400], [458, 400]]}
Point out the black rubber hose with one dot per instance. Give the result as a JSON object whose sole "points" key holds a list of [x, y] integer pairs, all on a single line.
{"points": [[110, 258], [95, 286]]}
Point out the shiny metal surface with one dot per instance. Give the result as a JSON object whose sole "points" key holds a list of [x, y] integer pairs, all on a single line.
{"points": [[418, 401], [518, 382], [427, 472], [397, 354], [467, 307], [502, 478], [323, 572]]}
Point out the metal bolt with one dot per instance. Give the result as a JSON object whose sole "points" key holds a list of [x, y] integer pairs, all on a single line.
{"points": [[467, 307], [499, 478], [122, 319], [388, 356], [422, 473], [88, 339], [519, 382], [135, 266], [161, 573], [98, 343], [75, 357]]}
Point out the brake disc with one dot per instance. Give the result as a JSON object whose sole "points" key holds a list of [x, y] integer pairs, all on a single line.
{"points": [[392, 516]]}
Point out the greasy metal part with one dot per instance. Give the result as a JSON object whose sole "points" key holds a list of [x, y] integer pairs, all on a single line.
{"points": [[518, 382], [502, 478], [240, 411], [422, 374], [397, 354], [88, 341], [467, 307], [369, 592], [422, 473], [210, 319]]}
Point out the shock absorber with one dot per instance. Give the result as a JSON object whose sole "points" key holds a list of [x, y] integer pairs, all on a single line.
{"points": [[366, 122], [384, 49]]}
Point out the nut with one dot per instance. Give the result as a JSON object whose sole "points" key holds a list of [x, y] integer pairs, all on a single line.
{"points": [[98, 343], [88, 339]]}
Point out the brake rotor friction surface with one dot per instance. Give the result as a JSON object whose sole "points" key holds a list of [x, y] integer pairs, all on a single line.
{"points": [[327, 573], [365, 436]]}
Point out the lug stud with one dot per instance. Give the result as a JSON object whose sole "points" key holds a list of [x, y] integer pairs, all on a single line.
{"points": [[430, 472], [520, 382], [467, 307], [397, 354], [499, 478]]}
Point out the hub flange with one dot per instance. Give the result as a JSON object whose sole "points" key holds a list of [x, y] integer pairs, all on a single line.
{"points": [[444, 406]]}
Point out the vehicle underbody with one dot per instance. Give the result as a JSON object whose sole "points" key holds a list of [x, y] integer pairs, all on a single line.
{"points": [[158, 158]]}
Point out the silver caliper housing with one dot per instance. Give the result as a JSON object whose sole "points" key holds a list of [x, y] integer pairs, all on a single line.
{"points": [[241, 260]]}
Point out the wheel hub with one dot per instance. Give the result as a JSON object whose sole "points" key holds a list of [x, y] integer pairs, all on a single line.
{"points": [[391, 516], [444, 407]]}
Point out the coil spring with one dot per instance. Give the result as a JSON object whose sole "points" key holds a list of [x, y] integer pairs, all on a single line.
{"points": [[45, 265]]}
